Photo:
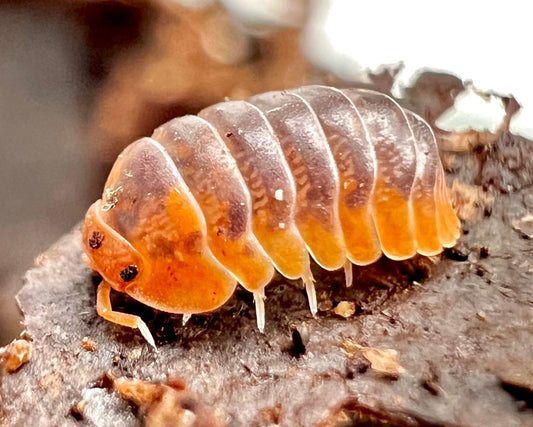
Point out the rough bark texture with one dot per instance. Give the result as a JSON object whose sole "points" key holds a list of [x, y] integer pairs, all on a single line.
{"points": [[462, 328]]}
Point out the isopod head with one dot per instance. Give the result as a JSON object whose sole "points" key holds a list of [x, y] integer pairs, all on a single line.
{"points": [[109, 253]]}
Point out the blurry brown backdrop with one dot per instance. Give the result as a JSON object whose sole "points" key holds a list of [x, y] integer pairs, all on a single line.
{"points": [[44, 169], [80, 80]]}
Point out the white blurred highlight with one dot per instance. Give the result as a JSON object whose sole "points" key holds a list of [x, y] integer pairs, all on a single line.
{"points": [[473, 111], [267, 12], [482, 42]]}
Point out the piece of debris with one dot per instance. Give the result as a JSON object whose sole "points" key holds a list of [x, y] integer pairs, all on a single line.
{"points": [[296, 348], [270, 416], [135, 354], [357, 364], [168, 404], [431, 379], [470, 201], [336, 419], [519, 383], [524, 225], [462, 142], [324, 302], [14, 355], [77, 410], [368, 412], [459, 252], [325, 305], [88, 344], [345, 309], [382, 361]]}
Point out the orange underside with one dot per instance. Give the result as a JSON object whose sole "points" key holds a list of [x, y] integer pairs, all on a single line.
{"points": [[326, 246], [427, 236], [362, 244], [250, 266], [193, 285], [186, 278], [447, 222], [284, 247], [393, 222], [239, 252]]}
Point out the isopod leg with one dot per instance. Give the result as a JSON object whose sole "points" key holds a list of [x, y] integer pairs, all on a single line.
{"points": [[309, 283], [185, 319], [348, 273], [259, 298], [104, 309]]}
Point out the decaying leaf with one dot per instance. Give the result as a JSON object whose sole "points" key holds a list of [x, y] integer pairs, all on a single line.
{"points": [[382, 361]]}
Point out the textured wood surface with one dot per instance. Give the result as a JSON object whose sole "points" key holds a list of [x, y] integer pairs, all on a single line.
{"points": [[462, 329]]}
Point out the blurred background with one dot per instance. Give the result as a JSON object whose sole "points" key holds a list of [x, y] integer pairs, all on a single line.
{"points": [[79, 80]]}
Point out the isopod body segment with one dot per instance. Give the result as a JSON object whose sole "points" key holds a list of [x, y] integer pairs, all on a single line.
{"points": [[249, 187]]}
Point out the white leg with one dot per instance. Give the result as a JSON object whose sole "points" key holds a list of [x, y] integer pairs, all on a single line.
{"points": [[145, 332], [309, 283], [259, 298], [185, 319], [104, 309], [348, 273]]}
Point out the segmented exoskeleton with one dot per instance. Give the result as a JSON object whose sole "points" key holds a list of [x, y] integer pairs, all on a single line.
{"points": [[249, 187]]}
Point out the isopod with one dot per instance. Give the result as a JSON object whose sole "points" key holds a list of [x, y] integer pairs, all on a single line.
{"points": [[249, 187]]}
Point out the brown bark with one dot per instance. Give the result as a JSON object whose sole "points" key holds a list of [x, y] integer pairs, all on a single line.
{"points": [[461, 328]]}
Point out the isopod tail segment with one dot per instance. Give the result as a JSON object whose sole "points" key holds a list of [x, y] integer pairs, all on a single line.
{"points": [[249, 187]]}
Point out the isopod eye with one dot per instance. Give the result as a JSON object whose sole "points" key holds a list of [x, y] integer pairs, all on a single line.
{"points": [[129, 273], [109, 253], [95, 241]]}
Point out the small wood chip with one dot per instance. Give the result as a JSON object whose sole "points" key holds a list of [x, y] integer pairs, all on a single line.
{"points": [[168, 404], [461, 142], [431, 379], [470, 201], [345, 309], [88, 344], [524, 225], [14, 355], [382, 361]]}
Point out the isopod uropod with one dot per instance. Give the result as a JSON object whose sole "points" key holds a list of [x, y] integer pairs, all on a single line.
{"points": [[249, 187]]}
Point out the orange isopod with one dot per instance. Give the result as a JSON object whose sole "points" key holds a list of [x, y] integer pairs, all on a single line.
{"points": [[249, 187]]}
